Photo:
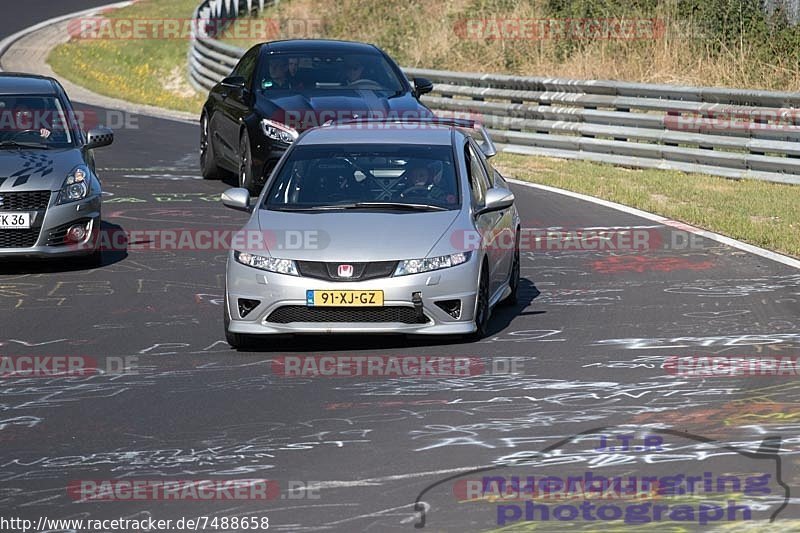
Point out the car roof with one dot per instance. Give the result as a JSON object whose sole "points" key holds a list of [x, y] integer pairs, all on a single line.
{"points": [[380, 133], [12, 83], [321, 45]]}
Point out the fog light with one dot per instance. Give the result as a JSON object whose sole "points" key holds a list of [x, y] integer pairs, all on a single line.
{"points": [[451, 307], [246, 306], [76, 233]]}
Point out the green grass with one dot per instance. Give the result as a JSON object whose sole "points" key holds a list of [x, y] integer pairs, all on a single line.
{"points": [[760, 213], [141, 71]]}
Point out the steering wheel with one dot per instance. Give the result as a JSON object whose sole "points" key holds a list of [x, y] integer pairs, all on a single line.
{"points": [[337, 197], [26, 132], [368, 84], [420, 190]]}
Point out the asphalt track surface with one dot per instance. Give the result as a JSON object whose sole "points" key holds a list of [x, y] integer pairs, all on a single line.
{"points": [[591, 337]]}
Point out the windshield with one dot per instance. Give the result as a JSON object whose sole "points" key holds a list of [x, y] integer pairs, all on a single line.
{"points": [[312, 72], [33, 120], [347, 176]]}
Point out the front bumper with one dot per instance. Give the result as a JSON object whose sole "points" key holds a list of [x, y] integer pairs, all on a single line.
{"points": [[276, 291], [47, 225], [265, 153]]}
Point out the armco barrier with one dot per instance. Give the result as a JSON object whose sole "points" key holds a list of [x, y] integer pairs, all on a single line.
{"points": [[735, 133]]}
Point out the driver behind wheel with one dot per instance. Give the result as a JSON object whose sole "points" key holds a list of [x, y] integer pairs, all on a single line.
{"points": [[353, 70], [421, 182], [24, 120]]}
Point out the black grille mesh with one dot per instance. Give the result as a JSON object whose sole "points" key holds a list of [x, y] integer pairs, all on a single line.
{"points": [[18, 238], [361, 271], [24, 201], [302, 313]]}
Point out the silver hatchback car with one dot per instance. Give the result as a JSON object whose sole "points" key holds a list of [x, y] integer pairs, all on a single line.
{"points": [[375, 226]]}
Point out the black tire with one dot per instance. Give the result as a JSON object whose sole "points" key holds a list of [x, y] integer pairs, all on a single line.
{"points": [[93, 260], [482, 309], [513, 282], [208, 162], [246, 178], [237, 341]]}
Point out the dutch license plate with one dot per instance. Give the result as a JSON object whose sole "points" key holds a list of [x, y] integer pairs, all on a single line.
{"points": [[344, 298], [15, 220]]}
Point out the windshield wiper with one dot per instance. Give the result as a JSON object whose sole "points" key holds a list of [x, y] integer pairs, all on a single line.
{"points": [[307, 208], [360, 205], [23, 144], [395, 205]]}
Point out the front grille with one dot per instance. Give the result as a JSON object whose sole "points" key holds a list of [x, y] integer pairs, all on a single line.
{"points": [[18, 238], [24, 201], [361, 271], [302, 313]]}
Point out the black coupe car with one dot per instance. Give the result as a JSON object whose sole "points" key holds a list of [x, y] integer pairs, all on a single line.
{"points": [[280, 89]]}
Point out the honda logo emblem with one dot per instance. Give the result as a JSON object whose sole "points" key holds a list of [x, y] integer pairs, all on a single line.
{"points": [[345, 271]]}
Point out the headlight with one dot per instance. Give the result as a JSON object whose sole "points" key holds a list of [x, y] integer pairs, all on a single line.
{"points": [[279, 132], [417, 266], [76, 186], [270, 264]]}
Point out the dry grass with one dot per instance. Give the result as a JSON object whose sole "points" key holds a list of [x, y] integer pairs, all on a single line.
{"points": [[421, 33]]}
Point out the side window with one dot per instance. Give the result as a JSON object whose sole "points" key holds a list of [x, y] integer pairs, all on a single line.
{"points": [[478, 182], [247, 65]]}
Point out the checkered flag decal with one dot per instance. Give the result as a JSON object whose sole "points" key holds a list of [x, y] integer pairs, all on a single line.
{"points": [[32, 164]]}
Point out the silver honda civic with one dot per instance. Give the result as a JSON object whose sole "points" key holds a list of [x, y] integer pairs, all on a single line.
{"points": [[375, 226]]}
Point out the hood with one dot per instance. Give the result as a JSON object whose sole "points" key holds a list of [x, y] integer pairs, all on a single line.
{"points": [[356, 236], [304, 111], [36, 170]]}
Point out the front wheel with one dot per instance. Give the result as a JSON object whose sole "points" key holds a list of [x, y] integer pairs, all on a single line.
{"points": [[91, 261], [208, 162], [482, 310], [513, 281], [237, 341], [246, 178]]}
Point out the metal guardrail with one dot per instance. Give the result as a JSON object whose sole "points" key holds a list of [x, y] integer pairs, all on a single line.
{"points": [[734, 133]]}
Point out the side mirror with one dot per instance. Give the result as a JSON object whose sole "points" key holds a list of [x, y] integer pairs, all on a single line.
{"points": [[99, 137], [488, 149], [497, 199], [422, 86], [234, 82], [237, 198]]}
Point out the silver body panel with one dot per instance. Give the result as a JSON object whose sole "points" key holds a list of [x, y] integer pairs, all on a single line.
{"points": [[357, 236]]}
